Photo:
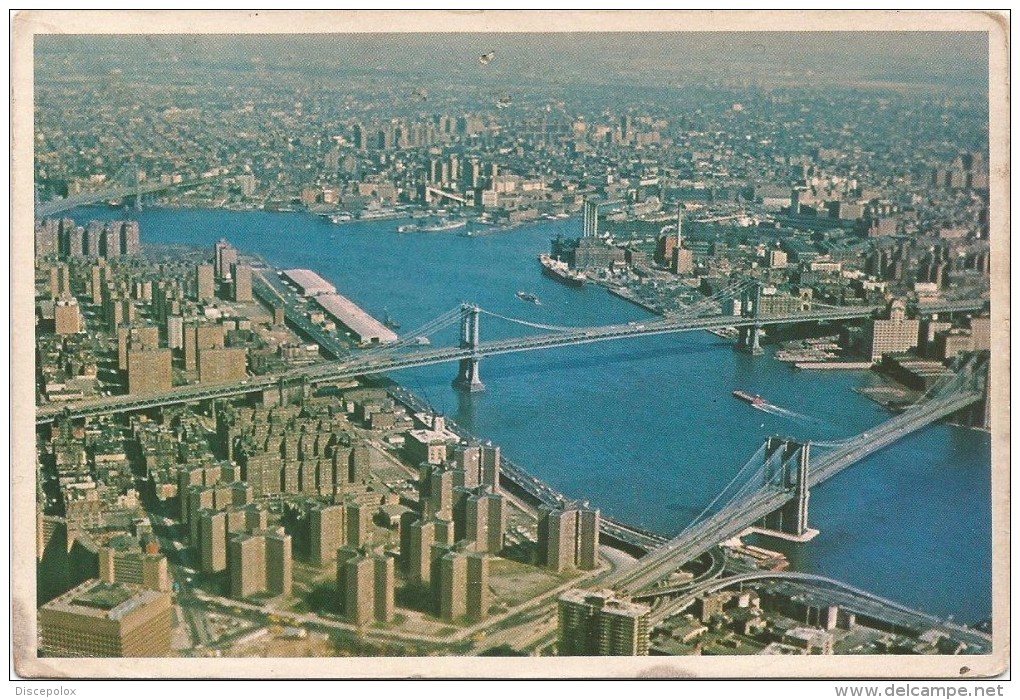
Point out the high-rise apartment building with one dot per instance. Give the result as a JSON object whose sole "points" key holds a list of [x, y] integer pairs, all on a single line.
{"points": [[460, 583], [261, 562], [568, 537], [365, 585], [205, 283], [241, 284], [597, 623], [224, 257], [149, 371], [328, 532], [67, 316]]}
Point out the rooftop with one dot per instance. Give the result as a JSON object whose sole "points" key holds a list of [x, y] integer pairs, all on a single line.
{"points": [[355, 318]]}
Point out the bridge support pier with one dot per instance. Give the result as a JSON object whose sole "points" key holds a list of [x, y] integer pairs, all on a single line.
{"points": [[468, 378], [750, 340], [790, 522], [750, 336]]}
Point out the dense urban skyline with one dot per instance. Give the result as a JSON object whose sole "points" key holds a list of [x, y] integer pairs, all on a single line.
{"points": [[219, 454]]}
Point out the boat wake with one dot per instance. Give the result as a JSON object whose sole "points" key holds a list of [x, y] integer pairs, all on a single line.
{"points": [[787, 413]]}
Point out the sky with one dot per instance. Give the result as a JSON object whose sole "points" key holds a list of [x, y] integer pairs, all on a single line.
{"points": [[957, 59]]}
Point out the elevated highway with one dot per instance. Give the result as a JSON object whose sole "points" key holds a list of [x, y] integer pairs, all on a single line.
{"points": [[841, 594]]}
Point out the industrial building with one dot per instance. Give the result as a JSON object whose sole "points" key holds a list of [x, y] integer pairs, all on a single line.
{"points": [[308, 282], [365, 329], [102, 619]]}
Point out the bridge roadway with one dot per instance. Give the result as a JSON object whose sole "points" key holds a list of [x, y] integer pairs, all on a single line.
{"points": [[841, 594], [735, 518], [58, 205], [380, 362]]}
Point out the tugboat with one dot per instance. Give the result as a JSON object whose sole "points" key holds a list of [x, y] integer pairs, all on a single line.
{"points": [[528, 296], [754, 400]]}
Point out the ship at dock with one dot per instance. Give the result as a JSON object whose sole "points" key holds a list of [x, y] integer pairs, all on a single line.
{"points": [[754, 400], [434, 227], [560, 271]]}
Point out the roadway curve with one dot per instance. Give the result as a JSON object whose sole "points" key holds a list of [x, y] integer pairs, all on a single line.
{"points": [[845, 595]]}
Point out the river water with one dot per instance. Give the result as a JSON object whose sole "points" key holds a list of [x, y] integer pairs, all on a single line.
{"points": [[645, 428]]}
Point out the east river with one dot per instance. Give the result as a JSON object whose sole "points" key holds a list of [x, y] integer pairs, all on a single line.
{"points": [[644, 428]]}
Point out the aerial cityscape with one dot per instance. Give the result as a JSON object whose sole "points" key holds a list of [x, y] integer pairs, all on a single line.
{"points": [[513, 345]]}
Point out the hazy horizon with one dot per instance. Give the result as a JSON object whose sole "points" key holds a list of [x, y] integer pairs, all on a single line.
{"points": [[949, 59]]}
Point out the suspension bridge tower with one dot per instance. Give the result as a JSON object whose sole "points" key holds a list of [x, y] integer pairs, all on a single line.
{"points": [[467, 376], [750, 336], [786, 466]]}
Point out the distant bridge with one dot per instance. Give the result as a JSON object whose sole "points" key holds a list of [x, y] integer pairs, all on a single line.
{"points": [[406, 354], [117, 191]]}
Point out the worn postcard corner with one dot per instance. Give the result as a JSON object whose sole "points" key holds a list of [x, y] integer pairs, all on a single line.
{"points": [[510, 344]]}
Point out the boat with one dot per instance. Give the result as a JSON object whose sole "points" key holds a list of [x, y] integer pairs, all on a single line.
{"points": [[389, 322], [528, 296], [437, 227], [341, 218], [559, 270], [754, 400], [444, 225]]}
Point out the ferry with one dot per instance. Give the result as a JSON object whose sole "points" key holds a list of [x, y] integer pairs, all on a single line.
{"points": [[754, 400], [559, 270], [528, 296]]}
